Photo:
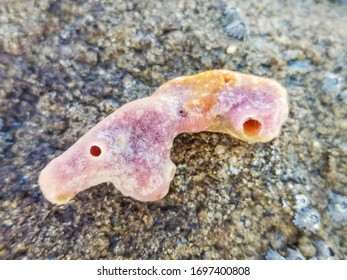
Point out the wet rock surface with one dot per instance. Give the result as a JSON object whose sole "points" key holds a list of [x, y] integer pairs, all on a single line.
{"points": [[65, 65]]}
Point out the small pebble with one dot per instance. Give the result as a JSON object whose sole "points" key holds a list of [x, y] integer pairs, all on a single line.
{"points": [[307, 219]]}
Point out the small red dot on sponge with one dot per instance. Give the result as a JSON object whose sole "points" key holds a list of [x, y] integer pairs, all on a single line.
{"points": [[95, 151]]}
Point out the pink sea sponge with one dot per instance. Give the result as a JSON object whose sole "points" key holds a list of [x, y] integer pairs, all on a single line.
{"points": [[131, 147]]}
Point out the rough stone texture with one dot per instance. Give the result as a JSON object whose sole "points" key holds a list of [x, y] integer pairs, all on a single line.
{"points": [[64, 65]]}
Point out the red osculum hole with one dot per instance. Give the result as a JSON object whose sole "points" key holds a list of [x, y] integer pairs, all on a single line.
{"points": [[95, 151], [251, 127]]}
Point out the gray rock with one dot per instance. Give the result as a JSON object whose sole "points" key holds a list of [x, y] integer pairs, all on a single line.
{"points": [[65, 65]]}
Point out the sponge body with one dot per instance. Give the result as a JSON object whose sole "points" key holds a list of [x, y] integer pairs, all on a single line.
{"points": [[131, 147]]}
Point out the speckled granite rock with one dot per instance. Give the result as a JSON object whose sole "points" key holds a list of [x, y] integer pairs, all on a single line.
{"points": [[64, 65]]}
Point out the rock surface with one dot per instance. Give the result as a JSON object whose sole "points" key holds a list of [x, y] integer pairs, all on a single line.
{"points": [[65, 65]]}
